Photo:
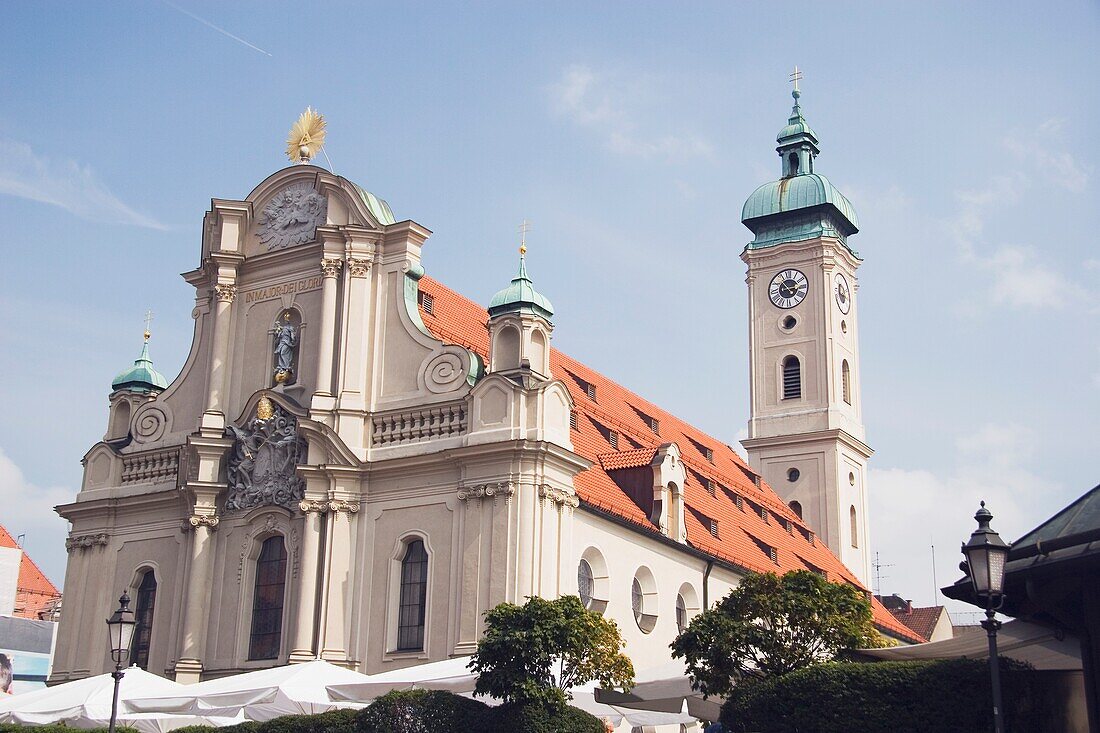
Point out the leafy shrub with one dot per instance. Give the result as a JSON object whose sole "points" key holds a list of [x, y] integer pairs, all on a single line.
{"points": [[942, 696], [535, 718], [422, 711]]}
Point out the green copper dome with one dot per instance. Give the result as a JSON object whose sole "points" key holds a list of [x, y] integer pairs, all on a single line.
{"points": [[141, 377], [521, 296], [799, 192], [802, 204]]}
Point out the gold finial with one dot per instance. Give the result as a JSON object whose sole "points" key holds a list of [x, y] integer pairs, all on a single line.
{"points": [[306, 136], [148, 320], [523, 229], [796, 77], [264, 409]]}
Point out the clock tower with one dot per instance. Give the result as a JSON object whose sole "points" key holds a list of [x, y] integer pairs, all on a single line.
{"points": [[806, 432]]}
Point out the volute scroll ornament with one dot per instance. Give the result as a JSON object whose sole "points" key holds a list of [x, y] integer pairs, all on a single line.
{"points": [[202, 520], [506, 489]]}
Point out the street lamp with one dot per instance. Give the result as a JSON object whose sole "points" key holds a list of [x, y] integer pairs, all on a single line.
{"points": [[120, 632], [986, 554]]}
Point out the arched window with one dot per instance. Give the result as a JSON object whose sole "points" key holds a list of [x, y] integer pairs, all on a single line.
{"points": [[585, 583], [846, 381], [643, 599], [267, 600], [796, 507], [681, 613], [414, 595], [120, 419], [143, 616], [792, 378], [854, 522]]}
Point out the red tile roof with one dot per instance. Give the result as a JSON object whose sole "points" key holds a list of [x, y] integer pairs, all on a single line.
{"points": [[922, 620], [34, 592], [743, 531]]}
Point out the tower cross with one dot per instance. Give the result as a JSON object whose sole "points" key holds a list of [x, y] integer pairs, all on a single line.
{"points": [[148, 320], [523, 229], [795, 77]]}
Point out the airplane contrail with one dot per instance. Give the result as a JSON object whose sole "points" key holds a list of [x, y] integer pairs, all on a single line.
{"points": [[208, 24]]}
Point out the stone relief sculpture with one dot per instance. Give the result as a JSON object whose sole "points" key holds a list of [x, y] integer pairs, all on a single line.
{"points": [[284, 348], [261, 468], [291, 217]]}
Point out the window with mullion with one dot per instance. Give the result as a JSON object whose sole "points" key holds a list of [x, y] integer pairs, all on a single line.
{"points": [[413, 598], [267, 600], [143, 615]]}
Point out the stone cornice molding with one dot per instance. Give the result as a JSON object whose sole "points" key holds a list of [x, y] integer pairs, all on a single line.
{"points": [[86, 541], [225, 292], [331, 267], [820, 435], [558, 496], [506, 489]]}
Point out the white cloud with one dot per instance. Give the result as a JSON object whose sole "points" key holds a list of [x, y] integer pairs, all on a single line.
{"points": [[610, 105], [65, 184], [1058, 168], [914, 509], [28, 509]]}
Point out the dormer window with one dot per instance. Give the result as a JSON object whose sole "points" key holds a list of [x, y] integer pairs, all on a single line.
{"points": [[613, 439], [708, 453], [591, 390], [426, 302], [573, 420]]}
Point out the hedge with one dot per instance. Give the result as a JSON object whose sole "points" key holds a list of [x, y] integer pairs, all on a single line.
{"points": [[16, 728], [942, 696]]}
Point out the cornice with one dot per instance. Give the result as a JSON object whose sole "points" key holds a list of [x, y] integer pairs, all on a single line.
{"points": [[814, 437]]}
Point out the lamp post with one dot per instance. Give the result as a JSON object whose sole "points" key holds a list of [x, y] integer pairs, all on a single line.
{"points": [[120, 632], [986, 554]]}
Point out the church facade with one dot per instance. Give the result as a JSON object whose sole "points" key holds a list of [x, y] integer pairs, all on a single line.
{"points": [[355, 462]]}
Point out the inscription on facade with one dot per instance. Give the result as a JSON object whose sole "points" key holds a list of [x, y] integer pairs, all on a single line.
{"points": [[290, 288]]}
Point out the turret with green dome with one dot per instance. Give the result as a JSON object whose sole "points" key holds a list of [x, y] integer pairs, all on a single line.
{"points": [[520, 296], [141, 378], [802, 204]]}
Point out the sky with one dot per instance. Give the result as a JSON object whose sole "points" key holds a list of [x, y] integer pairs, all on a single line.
{"points": [[630, 135]]}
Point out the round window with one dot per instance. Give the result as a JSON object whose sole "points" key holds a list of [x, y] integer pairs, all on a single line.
{"points": [[585, 583], [793, 475], [789, 322], [844, 327], [851, 478]]}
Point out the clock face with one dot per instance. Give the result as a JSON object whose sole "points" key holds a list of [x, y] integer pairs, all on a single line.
{"points": [[842, 293], [788, 288]]}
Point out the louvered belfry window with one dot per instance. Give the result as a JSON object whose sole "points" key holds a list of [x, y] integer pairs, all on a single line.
{"points": [[414, 595], [267, 600], [792, 378]]}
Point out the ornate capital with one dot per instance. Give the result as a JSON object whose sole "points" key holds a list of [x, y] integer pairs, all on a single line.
{"points": [[86, 541], [349, 507], [488, 491], [558, 496], [358, 266], [225, 292], [331, 267], [308, 506], [202, 520]]}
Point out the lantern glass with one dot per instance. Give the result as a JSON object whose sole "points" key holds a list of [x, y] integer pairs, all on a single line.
{"points": [[120, 630], [978, 560]]}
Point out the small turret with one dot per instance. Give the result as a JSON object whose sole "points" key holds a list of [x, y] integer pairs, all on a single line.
{"points": [[134, 386], [519, 326]]}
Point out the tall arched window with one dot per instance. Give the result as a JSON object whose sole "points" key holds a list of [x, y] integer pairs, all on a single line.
{"points": [[796, 507], [267, 600], [853, 521], [143, 615], [792, 378], [846, 381], [792, 161], [681, 613], [414, 596]]}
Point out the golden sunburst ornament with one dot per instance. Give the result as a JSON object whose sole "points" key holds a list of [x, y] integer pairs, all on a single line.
{"points": [[306, 136]]}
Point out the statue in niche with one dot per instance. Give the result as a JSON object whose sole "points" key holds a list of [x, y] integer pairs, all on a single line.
{"points": [[261, 468], [285, 348]]}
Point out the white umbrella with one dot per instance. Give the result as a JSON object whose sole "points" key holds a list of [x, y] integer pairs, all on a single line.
{"points": [[663, 688], [82, 703], [293, 689]]}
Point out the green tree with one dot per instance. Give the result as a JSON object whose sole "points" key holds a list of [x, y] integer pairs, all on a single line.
{"points": [[536, 652], [770, 626]]}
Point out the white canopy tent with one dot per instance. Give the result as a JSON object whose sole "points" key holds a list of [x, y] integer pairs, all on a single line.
{"points": [[86, 703], [454, 675], [294, 689], [663, 688]]}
